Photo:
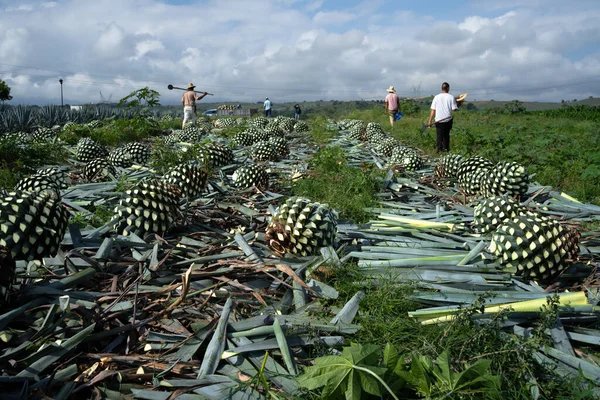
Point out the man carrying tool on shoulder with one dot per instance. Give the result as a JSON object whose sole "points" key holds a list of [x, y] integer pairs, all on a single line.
{"points": [[189, 105], [441, 107]]}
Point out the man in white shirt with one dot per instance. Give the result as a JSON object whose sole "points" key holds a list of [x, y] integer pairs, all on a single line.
{"points": [[267, 106], [441, 107]]}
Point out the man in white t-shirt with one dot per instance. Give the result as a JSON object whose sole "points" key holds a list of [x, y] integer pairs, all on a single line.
{"points": [[441, 107], [267, 106]]}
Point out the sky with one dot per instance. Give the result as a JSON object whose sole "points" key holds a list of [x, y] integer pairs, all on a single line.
{"points": [[296, 50]]}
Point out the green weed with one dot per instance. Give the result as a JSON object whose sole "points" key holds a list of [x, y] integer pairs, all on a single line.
{"points": [[549, 148], [383, 318], [18, 159], [163, 158], [319, 132], [331, 180]]}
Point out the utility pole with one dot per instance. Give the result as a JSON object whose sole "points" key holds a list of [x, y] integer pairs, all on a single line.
{"points": [[61, 91]]}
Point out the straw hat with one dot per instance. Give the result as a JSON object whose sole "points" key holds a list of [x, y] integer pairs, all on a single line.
{"points": [[461, 97], [191, 85], [391, 89]]}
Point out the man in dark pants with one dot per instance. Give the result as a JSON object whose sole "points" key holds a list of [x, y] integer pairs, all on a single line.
{"points": [[442, 107]]}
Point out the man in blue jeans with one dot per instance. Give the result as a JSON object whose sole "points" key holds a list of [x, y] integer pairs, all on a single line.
{"points": [[442, 107], [297, 111], [267, 106]]}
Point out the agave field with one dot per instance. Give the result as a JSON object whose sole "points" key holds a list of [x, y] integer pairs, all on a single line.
{"points": [[275, 258]]}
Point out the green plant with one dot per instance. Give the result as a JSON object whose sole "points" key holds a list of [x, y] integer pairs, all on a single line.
{"points": [[362, 370], [123, 131], [163, 158], [319, 132], [514, 107], [409, 107], [348, 375], [144, 97], [8, 178], [347, 189], [439, 378], [4, 91]]}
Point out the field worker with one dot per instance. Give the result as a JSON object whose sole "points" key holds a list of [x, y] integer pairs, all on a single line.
{"points": [[267, 107], [392, 104], [297, 111], [189, 105], [442, 107]]}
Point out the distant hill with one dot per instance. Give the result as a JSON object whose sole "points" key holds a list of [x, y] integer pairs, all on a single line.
{"points": [[537, 106], [336, 108]]}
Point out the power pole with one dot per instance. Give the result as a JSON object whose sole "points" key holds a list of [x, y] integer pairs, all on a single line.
{"points": [[61, 92]]}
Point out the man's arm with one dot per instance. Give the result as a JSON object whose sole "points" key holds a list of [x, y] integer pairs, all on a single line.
{"points": [[201, 97], [431, 115]]}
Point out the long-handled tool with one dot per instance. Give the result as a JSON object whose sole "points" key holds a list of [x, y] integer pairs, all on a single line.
{"points": [[425, 126], [459, 100], [171, 87]]}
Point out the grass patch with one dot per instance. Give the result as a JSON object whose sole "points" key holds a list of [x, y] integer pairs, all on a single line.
{"points": [[99, 217], [116, 132], [550, 148], [18, 159], [383, 319], [319, 132], [232, 131], [331, 180]]}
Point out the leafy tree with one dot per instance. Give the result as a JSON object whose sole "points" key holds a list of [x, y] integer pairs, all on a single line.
{"points": [[142, 100], [4, 91], [514, 107], [409, 107], [144, 97]]}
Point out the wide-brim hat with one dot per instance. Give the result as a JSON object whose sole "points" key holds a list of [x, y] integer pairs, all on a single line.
{"points": [[462, 97], [191, 85], [391, 89]]}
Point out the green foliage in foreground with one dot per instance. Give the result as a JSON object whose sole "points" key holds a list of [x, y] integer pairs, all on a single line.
{"points": [[99, 217], [347, 189], [363, 370], [163, 158], [20, 159], [562, 151], [462, 359], [115, 132], [319, 132]]}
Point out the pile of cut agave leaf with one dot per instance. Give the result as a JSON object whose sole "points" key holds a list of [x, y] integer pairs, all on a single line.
{"points": [[417, 237], [209, 311]]}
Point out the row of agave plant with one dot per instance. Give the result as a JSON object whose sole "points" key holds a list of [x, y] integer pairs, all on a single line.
{"points": [[23, 118]]}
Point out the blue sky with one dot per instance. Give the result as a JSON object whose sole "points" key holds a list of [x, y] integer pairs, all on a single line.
{"points": [[293, 50]]}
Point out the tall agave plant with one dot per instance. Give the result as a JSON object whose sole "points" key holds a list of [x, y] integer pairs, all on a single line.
{"points": [[51, 115], [23, 118]]}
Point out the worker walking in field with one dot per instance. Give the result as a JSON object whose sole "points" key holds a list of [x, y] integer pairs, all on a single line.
{"points": [[267, 107], [189, 105], [297, 111], [392, 104], [442, 107]]}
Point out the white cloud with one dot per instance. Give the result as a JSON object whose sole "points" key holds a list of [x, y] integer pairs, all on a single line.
{"points": [[475, 23], [332, 17], [314, 5], [110, 40], [295, 50], [147, 46]]}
